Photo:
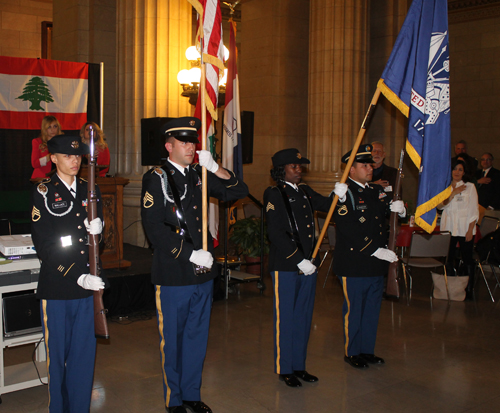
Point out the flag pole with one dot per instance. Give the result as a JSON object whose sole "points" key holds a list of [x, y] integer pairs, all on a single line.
{"points": [[203, 147], [359, 139]]}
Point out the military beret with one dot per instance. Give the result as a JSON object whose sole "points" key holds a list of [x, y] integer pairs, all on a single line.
{"points": [[288, 156], [68, 145], [184, 129], [364, 155]]}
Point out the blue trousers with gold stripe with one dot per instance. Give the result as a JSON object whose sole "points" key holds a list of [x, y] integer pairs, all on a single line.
{"points": [[183, 314], [361, 310], [68, 329], [293, 309]]}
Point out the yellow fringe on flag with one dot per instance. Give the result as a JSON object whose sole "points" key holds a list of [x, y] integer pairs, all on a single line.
{"points": [[393, 98], [426, 207]]}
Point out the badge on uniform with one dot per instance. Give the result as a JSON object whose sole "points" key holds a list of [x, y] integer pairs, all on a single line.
{"points": [[148, 200], [342, 210], [35, 214], [57, 205], [58, 197], [269, 206], [199, 182], [85, 202], [382, 195]]}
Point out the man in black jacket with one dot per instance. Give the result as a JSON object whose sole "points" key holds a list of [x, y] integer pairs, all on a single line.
{"points": [[360, 258], [290, 207], [182, 271], [488, 183], [59, 231]]}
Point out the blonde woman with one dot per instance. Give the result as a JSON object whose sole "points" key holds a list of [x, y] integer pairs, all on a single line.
{"points": [[101, 147], [40, 157]]}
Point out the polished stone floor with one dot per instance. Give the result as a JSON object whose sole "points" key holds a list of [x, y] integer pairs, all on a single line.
{"points": [[439, 358]]}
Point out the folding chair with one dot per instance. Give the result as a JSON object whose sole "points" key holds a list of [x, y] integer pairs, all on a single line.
{"points": [[488, 225], [426, 251], [328, 244]]}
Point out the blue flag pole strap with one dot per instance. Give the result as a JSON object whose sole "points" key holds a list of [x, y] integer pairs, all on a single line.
{"points": [[429, 206], [393, 97]]}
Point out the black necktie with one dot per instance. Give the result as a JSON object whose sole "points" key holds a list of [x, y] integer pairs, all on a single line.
{"points": [[73, 192], [186, 170]]}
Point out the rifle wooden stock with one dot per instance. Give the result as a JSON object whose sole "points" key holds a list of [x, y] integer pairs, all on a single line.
{"points": [[392, 276], [100, 322]]}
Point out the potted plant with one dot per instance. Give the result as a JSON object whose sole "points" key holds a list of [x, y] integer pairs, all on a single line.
{"points": [[245, 234]]}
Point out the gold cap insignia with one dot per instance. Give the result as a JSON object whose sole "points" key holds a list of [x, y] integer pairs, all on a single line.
{"points": [[299, 156], [75, 145], [148, 200], [192, 123], [35, 214]]}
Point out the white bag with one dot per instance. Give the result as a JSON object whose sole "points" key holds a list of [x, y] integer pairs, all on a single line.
{"points": [[456, 287]]}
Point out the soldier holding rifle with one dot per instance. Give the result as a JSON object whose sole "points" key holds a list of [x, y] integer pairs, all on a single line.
{"points": [[361, 257], [182, 271], [65, 288]]}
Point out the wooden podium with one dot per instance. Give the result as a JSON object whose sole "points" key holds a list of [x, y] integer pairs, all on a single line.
{"points": [[112, 203]]}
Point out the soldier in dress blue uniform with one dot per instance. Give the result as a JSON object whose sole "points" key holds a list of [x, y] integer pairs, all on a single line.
{"points": [[172, 217], [290, 207], [361, 257], [59, 231]]}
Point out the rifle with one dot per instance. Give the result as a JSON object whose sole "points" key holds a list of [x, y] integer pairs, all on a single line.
{"points": [[100, 322], [392, 277]]}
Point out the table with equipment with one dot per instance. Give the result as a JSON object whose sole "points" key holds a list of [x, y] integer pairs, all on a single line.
{"points": [[17, 276]]}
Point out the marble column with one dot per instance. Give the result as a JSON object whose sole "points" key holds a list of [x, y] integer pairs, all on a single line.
{"points": [[338, 80], [152, 36]]}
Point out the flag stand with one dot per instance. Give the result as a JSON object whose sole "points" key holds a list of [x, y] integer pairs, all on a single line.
{"points": [[360, 137]]}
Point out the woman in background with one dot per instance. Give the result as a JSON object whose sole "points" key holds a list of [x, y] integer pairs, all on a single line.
{"points": [[460, 214], [40, 157], [101, 147]]}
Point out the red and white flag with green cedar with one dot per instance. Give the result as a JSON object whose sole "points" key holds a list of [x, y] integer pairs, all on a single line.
{"points": [[33, 88]]}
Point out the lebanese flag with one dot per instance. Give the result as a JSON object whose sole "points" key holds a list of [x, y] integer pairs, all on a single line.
{"points": [[33, 88]]}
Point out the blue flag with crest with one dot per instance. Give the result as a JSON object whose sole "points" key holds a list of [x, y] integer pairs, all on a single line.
{"points": [[416, 80]]}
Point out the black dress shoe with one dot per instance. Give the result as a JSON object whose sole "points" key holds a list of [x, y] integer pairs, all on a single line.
{"points": [[176, 409], [356, 361], [372, 359], [305, 376], [290, 380], [197, 407]]}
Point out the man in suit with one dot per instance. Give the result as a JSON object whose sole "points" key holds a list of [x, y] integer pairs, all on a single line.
{"points": [[59, 232], [182, 271], [383, 175], [488, 183], [290, 207], [361, 258], [461, 153]]}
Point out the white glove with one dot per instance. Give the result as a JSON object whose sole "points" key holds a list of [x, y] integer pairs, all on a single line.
{"points": [[95, 226], [399, 207], [307, 267], [207, 161], [385, 254], [340, 190], [202, 258], [90, 282]]}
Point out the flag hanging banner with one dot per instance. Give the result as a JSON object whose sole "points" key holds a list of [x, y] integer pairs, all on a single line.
{"points": [[33, 88], [210, 46], [416, 80], [231, 153]]}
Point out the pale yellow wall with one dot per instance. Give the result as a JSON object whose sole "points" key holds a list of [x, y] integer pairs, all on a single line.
{"points": [[21, 26]]}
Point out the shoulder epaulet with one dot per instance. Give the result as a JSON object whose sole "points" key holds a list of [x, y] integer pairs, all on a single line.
{"points": [[301, 183], [82, 179]]}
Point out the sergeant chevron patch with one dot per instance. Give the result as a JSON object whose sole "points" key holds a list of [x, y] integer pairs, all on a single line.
{"points": [[35, 214], [269, 206], [148, 200]]}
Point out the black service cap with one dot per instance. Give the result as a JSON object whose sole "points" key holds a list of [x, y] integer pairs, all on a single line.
{"points": [[184, 129], [68, 145], [288, 156], [364, 155]]}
